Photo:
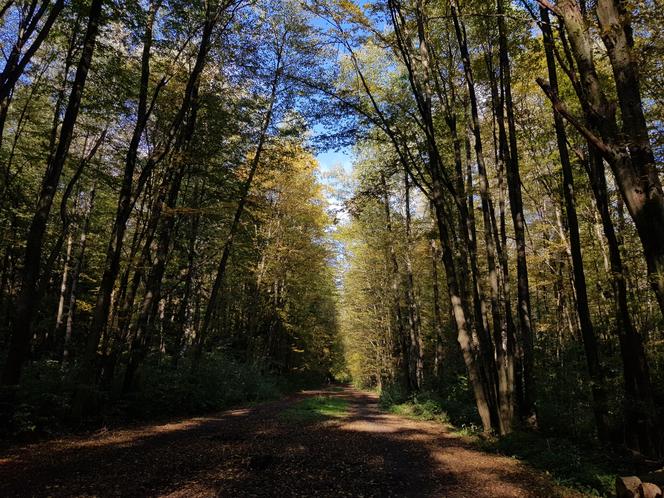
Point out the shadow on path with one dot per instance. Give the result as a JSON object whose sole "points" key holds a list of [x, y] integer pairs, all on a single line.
{"points": [[255, 453]]}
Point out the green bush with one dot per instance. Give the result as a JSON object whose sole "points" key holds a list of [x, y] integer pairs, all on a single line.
{"points": [[40, 406]]}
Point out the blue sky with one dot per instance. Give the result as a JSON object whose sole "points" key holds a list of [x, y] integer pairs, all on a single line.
{"points": [[329, 160]]}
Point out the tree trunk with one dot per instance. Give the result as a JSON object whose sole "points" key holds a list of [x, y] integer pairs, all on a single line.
{"points": [[518, 219], [59, 316], [500, 366], [633, 163], [76, 272], [401, 354], [26, 303], [416, 353], [597, 378], [125, 201], [639, 181], [437, 314]]}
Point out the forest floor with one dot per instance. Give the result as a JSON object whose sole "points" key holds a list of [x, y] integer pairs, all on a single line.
{"points": [[333, 442]]}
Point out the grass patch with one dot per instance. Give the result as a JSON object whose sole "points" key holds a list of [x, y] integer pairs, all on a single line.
{"points": [[425, 410], [315, 409]]}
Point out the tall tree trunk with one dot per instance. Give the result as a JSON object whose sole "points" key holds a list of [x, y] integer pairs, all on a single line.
{"points": [[416, 348], [642, 432], [60, 313], [479, 382], [185, 304], [125, 200], [633, 162], [518, 219], [152, 296], [500, 371], [437, 314], [20, 340], [643, 188], [401, 341], [641, 184], [114, 250], [597, 378]]}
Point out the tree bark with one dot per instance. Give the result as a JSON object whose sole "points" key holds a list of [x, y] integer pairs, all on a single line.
{"points": [[401, 354], [632, 163], [500, 366], [639, 180]]}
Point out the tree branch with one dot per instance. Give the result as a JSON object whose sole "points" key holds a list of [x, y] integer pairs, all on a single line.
{"points": [[607, 152]]}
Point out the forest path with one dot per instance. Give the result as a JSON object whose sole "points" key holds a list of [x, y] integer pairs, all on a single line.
{"points": [[259, 451]]}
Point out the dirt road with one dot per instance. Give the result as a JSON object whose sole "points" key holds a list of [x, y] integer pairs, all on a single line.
{"points": [[256, 452]]}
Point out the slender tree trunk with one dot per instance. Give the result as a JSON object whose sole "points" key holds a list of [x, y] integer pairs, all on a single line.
{"points": [[402, 347], [500, 366], [641, 426], [641, 187], [482, 389], [518, 219], [59, 317], [153, 285], [437, 314], [114, 250], [221, 268], [633, 162], [76, 272], [125, 201], [416, 348], [185, 303]]}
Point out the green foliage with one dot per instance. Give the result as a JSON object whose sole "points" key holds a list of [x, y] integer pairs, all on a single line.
{"points": [[315, 409], [41, 405], [424, 410], [453, 406]]}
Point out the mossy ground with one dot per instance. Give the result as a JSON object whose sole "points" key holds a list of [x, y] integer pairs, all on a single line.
{"points": [[315, 409]]}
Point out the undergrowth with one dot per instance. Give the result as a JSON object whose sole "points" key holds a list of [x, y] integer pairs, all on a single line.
{"points": [[573, 464], [41, 406], [582, 467]]}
